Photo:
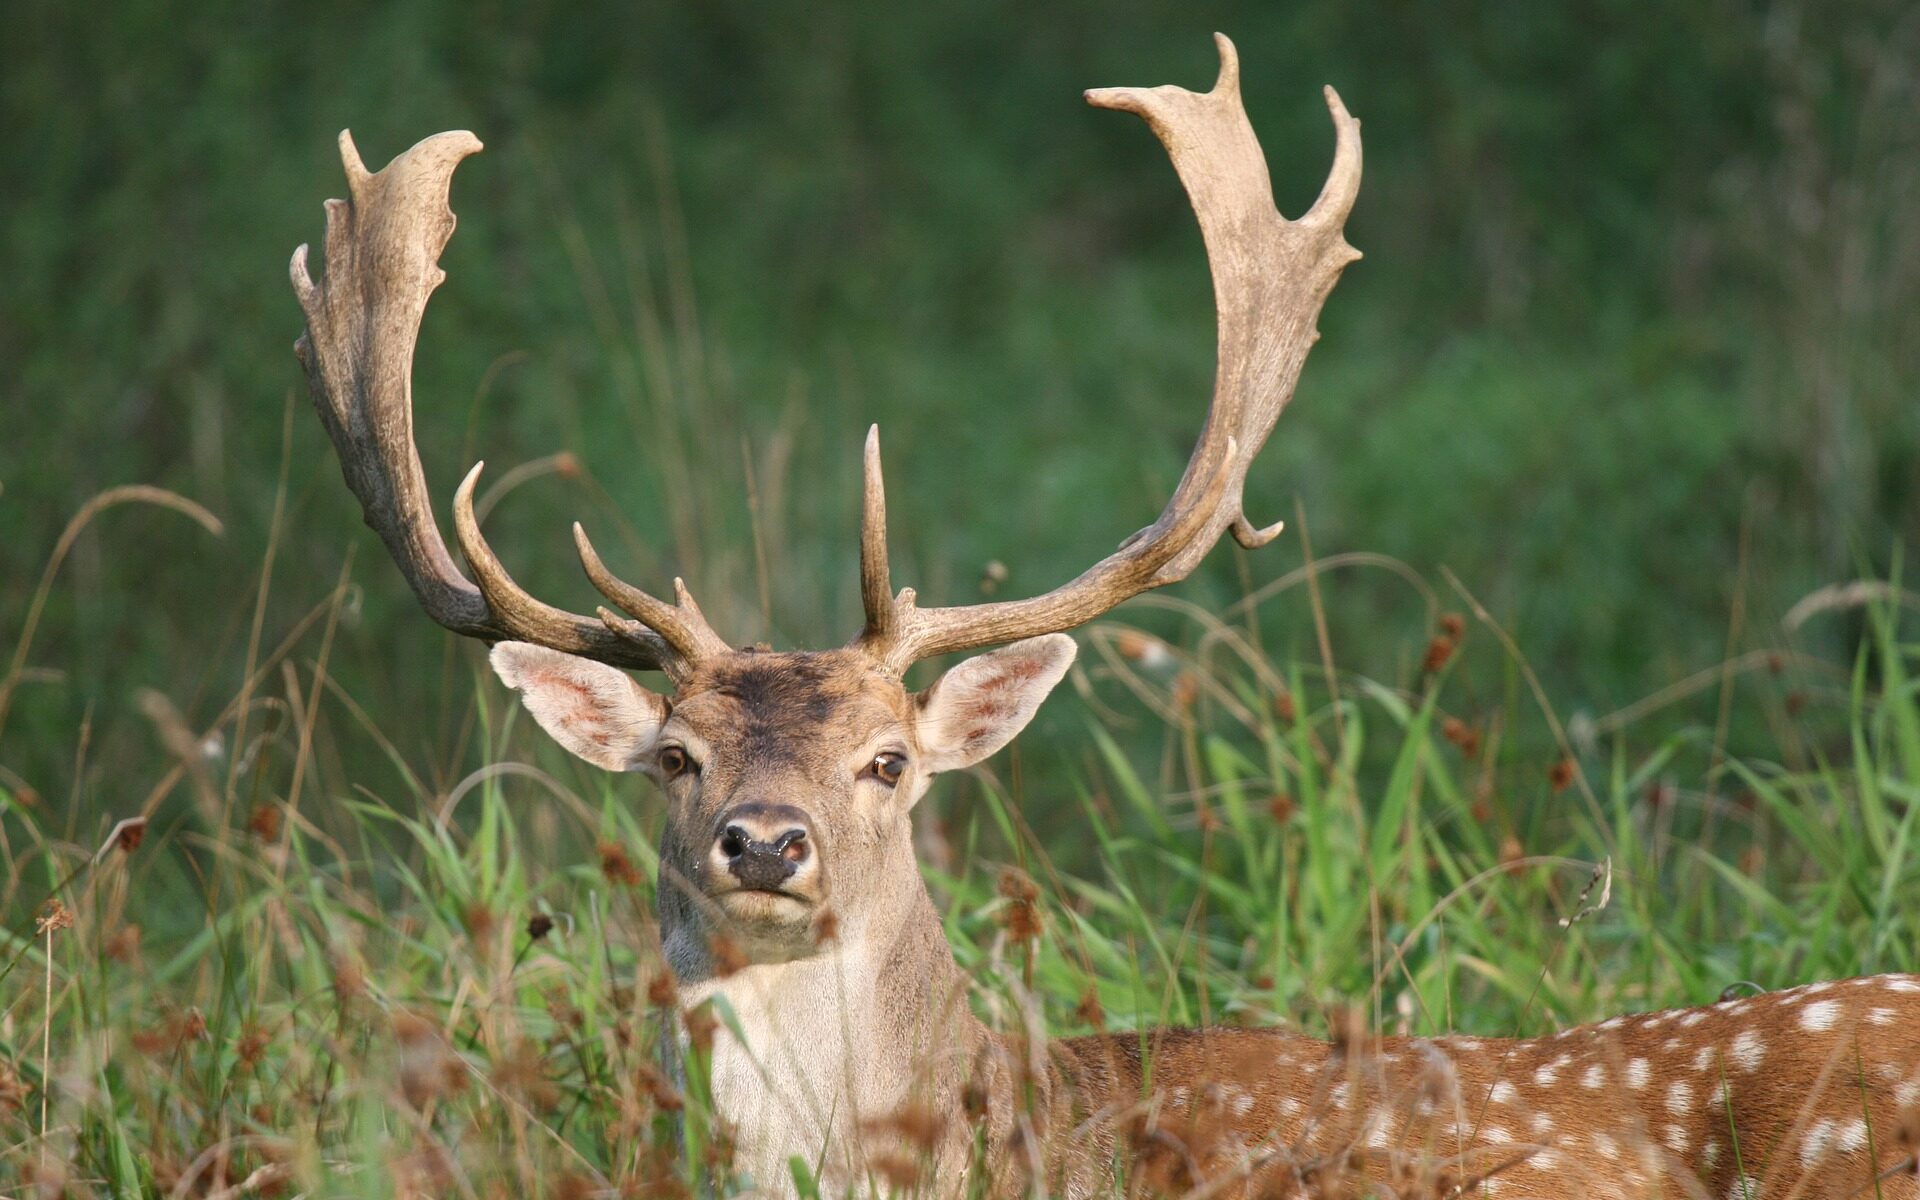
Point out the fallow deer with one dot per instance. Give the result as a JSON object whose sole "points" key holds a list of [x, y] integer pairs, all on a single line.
{"points": [[789, 778]]}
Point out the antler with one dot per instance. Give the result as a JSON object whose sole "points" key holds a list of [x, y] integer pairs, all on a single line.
{"points": [[363, 320], [1270, 278]]}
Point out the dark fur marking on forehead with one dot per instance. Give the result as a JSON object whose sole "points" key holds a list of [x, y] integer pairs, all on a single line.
{"points": [[784, 700]]}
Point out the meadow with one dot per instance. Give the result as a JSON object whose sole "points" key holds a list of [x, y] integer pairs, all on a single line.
{"points": [[1582, 683]]}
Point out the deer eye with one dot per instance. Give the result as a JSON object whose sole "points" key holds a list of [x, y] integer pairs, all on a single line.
{"points": [[886, 767], [674, 762]]}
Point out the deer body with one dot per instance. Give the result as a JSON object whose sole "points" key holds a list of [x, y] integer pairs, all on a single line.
{"points": [[788, 888]]}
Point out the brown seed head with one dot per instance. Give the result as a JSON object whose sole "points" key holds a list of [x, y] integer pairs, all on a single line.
{"points": [[539, 925], [264, 822], [1453, 625], [700, 1026], [1560, 774], [1285, 708], [131, 834], [662, 992], [728, 957], [618, 867], [123, 944], [1439, 650]]}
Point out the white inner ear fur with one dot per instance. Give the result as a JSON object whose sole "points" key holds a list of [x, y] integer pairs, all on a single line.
{"points": [[594, 710], [980, 705]]}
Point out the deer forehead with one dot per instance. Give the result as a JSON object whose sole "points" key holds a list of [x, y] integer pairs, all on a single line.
{"points": [[804, 707]]}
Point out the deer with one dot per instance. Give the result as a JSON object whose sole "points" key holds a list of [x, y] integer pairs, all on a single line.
{"points": [[789, 886]]}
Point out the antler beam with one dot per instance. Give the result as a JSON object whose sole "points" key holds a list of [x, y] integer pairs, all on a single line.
{"points": [[1271, 276], [363, 321]]}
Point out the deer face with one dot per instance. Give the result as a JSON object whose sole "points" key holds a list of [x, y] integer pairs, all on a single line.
{"points": [[788, 777]]}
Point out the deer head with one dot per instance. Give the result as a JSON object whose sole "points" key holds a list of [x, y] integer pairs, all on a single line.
{"points": [[790, 776]]}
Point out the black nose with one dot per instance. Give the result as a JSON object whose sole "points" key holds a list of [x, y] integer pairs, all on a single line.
{"points": [[764, 844]]}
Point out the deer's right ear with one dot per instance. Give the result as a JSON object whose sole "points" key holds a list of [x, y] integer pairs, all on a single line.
{"points": [[594, 710]]}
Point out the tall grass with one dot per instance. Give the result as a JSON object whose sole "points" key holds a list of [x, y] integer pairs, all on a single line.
{"points": [[441, 977]]}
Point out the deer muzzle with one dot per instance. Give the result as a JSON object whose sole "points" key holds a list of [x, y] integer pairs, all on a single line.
{"points": [[764, 847]]}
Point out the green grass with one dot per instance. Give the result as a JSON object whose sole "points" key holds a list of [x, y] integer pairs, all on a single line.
{"points": [[441, 975]]}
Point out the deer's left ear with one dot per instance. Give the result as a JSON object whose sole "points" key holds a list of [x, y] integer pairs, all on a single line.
{"points": [[980, 705]]}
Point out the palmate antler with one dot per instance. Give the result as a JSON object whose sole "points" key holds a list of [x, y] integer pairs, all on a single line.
{"points": [[1270, 278], [363, 319]]}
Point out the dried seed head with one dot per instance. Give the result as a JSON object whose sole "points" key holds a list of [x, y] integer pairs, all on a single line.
{"points": [[539, 925], [728, 957], [1089, 1012], [1560, 774], [662, 992], [264, 822], [130, 833], [1462, 735], [1439, 650], [54, 916], [700, 1026], [1185, 690], [478, 920], [1285, 708], [618, 867], [1281, 807], [653, 1082], [1453, 625], [123, 944]]}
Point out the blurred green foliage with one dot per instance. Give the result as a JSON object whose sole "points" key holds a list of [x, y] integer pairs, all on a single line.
{"points": [[1635, 333]]}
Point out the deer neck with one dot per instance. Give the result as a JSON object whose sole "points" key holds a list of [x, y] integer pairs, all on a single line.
{"points": [[874, 1020]]}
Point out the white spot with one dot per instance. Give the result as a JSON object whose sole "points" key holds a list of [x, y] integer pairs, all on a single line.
{"points": [[1747, 1050], [1820, 1016], [1679, 1098], [1605, 1146], [1676, 1139], [1906, 1094], [1744, 1188], [1243, 1104], [1549, 1072], [1814, 989], [1710, 1153], [1900, 983], [1594, 1078], [1540, 1123], [1818, 1140], [1852, 1136], [1703, 1057], [1340, 1095], [1498, 1134], [1503, 1093], [1670, 1045], [1380, 1137], [1638, 1072], [1290, 1106], [1693, 1018], [1881, 1016], [1612, 1022]]}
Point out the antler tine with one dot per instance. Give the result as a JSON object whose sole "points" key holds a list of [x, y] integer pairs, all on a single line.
{"points": [[514, 608], [1270, 278], [363, 319], [682, 626], [876, 586]]}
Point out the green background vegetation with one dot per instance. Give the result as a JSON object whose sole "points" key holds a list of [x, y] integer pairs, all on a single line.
{"points": [[1632, 355]]}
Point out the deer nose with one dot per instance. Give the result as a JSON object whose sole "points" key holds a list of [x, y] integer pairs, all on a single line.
{"points": [[763, 845]]}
